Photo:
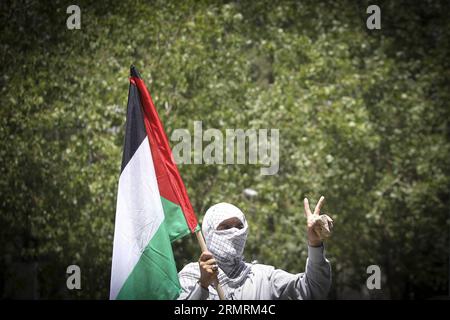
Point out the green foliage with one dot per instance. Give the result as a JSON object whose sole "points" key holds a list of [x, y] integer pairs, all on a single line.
{"points": [[363, 118]]}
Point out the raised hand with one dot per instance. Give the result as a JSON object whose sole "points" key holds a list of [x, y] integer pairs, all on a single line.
{"points": [[318, 226]]}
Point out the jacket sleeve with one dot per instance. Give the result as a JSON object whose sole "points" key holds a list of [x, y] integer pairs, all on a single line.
{"points": [[190, 288], [314, 283]]}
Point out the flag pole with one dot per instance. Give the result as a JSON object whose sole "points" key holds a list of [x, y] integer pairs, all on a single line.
{"points": [[203, 247]]}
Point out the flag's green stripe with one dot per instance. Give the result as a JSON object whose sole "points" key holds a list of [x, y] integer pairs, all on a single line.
{"points": [[155, 275], [175, 221]]}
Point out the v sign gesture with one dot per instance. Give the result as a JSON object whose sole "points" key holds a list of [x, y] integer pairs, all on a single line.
{"points": [[319, 226]]}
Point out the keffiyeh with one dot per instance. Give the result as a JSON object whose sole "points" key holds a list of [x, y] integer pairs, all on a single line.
{"points": [[227, 246]]}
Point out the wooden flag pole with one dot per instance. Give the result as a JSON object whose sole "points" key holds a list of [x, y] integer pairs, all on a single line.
{"points": [[203, 247]]}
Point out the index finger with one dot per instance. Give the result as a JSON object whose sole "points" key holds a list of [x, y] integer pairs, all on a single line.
{"points": [[319, 205], [307, 209]]}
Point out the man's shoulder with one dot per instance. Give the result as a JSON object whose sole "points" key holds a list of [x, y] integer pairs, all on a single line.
{"points": [[258, 267]]}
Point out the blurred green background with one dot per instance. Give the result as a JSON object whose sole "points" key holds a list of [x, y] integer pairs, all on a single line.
{"points": [[363, 118]]}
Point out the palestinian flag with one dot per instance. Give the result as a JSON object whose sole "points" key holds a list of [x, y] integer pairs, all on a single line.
{"points": [[153, 208]]}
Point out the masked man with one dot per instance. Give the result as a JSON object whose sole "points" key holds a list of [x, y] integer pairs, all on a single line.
{"points": [[225, 230]]}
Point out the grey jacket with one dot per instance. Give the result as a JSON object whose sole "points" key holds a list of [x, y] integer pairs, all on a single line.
{"points": [[265, 282]]}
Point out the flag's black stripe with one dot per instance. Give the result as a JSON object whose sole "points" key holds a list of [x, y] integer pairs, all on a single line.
{"points": [[135, 128], [134, 72]]}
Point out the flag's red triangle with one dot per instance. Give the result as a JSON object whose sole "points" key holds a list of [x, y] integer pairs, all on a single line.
{"points": [[170, 184]]}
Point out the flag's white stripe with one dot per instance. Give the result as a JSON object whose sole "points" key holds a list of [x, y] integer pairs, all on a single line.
{"points": [[139, 214]]}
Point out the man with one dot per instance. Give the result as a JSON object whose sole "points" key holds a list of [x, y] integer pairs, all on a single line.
{"points": [[225, 230]]}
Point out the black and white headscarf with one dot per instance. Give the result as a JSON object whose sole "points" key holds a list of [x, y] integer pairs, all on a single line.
{"points": [[227, 246]]}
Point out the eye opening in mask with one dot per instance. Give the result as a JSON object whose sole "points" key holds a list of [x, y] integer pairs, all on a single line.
{"points": [[229, 223]]}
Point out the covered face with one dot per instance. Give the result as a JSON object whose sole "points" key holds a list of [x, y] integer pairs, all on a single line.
{"points": [[227, 246]]}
